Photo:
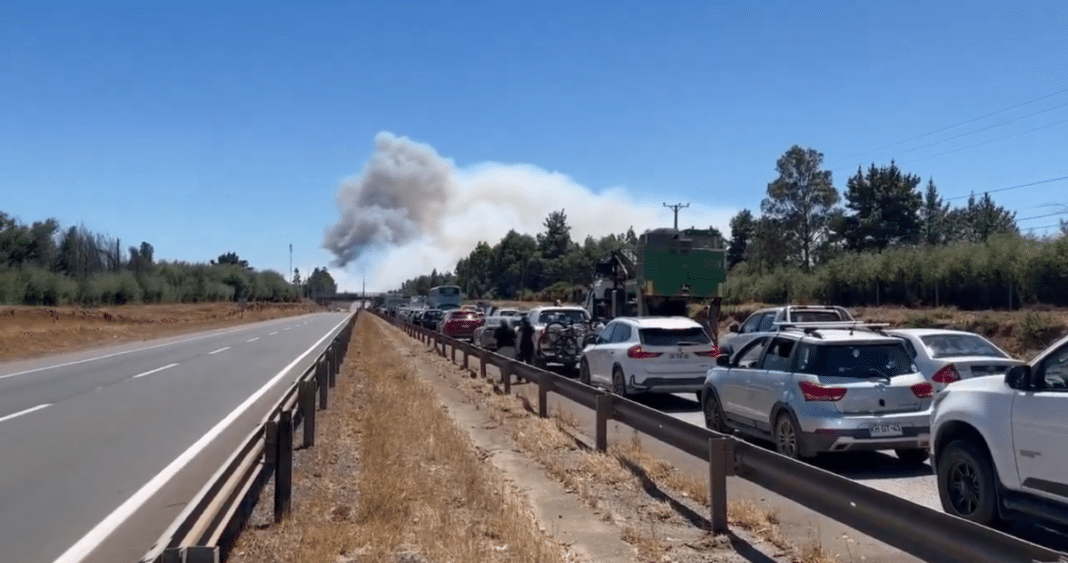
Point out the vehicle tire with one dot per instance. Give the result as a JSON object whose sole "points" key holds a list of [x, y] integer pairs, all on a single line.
{"points": [[713, 413], [967, 483], [619, 385], [584, 372], [787, 437], [912, 456]]}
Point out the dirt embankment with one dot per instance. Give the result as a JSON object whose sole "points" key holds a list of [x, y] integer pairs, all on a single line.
{"points": [[33, 331]]}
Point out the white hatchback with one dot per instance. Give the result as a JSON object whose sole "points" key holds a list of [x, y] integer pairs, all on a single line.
{"points": [[648, 355]]}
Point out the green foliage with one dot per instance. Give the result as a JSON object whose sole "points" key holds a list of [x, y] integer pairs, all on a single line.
{"points": [[42, 287], [885, 205], [980, 220], [921, 320], [743, 228], [1038, 330], [801, 199], [934, 213]]}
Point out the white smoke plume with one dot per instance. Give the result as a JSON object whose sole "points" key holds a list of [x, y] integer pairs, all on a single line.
{"points": [[412, 211]]}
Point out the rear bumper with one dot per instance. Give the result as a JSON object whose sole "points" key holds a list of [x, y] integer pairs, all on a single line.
{"points": [[682, 384], [833, 440]]}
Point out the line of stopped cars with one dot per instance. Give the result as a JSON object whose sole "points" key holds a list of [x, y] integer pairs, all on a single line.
{"points": [[812, 379]]}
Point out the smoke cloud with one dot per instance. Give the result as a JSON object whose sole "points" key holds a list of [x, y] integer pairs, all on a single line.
{"points": [[411, 211]]}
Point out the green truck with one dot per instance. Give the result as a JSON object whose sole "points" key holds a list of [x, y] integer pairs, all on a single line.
{"points": [[662, 275]]}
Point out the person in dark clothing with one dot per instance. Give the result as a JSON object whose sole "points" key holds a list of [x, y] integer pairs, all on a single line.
{"points": [[526, 341], [505, 336]]}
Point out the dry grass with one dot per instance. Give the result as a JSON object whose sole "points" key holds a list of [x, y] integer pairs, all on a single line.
{"points": [[423, 492], [31, 331], [761, 522]]}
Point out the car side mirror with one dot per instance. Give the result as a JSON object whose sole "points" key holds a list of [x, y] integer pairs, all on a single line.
{"points": [[723, 361], [591, 339], [734, 327], [1018, 377]]}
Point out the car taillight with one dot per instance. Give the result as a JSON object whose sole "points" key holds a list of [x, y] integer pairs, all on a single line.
{"points": [[948, 374], [637, 353], [923, 390], [713, 353], [816, 392]]}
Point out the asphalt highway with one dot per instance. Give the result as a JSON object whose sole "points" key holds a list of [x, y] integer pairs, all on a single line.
{"points": [[101, 450]]}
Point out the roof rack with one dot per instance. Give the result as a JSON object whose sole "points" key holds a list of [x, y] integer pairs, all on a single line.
{"points": [[812, 327]]}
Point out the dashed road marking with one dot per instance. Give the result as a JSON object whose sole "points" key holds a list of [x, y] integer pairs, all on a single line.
{"points": [[223, 349], [149, 372], [27, 411]]}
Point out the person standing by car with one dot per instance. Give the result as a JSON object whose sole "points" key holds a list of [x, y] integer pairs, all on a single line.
{"points": [[505, 336], [526, 340]]}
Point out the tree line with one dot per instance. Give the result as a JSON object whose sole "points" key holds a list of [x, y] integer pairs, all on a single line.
{"points": [[547, 266], [890, 243], [43, 264], [883, 240]]}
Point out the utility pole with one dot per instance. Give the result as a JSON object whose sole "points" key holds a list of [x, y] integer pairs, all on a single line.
{"points": [[676, 209], [291, 278]]}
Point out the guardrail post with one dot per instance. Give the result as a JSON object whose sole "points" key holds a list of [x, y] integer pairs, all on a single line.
{"points": [[482, 356], [441, 342], [466, 354], [720, 465], [320, 381], [506, 377], [453, 359], [270, 447], [544, 385], [201, 554], [283, 474], [307, 409], [604, 413], [331, 377]]}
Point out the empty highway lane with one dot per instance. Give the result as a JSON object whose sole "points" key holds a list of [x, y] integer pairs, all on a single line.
{"points": [[101, 450]]}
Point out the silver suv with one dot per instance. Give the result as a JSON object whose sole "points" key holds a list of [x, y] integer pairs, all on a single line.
{"points": [[814, 389], [767, 320]]}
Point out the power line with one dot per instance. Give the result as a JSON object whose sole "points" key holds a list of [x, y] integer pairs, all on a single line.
{"points": [[947, 128], [988, 127], [1043, 216], [1047, 126], [1057, 225], [1047, 181]]}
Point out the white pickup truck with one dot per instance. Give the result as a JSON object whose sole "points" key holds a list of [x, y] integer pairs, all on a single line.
{"points": [[1000, 444]]}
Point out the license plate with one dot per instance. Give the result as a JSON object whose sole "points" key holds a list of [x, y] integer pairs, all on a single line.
{"points": [[677, 356], [885, 430]]}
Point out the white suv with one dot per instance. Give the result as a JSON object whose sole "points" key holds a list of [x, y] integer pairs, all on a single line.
{"points": [[648, 354], [1000, 444]]}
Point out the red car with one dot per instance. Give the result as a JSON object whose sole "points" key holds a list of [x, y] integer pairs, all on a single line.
{"points": [[461, 324]]}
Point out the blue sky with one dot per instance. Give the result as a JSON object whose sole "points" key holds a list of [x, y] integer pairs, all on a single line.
{"points": [[209, 127]]}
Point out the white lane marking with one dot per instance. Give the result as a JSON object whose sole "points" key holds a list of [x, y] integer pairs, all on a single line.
{"points": [[223, 349], [106, 356], [287, 328], [253, 339], [80, 550], [27, 411], [273, 333], [150, 372]]}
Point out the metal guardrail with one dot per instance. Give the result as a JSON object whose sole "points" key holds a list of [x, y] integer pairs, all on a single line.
{"points": [[920, 531], [210, 523]]}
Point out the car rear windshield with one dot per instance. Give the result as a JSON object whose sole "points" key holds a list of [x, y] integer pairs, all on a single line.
{"points": [[673, 336], [861, 361], [815, 316], [566, 316], [463, 316], [957, 345]]}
